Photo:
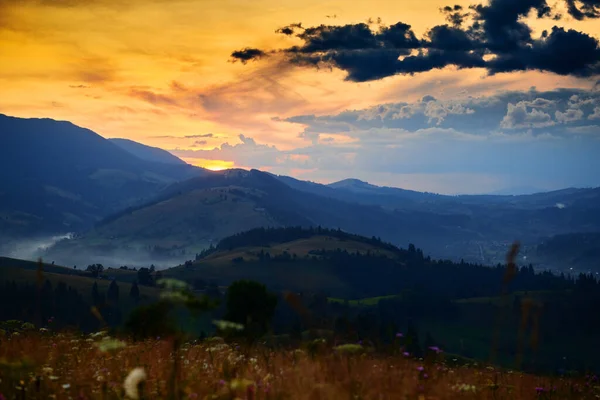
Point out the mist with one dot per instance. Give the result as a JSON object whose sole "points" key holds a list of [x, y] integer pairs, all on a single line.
{"points": [[57, 249], [31, 248], [62, 253]]}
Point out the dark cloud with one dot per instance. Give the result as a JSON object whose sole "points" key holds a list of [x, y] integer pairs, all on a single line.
{"points": [[496, 38], [455, 15], [562, 52], [582, 9], [498, 23], [247, 54]]}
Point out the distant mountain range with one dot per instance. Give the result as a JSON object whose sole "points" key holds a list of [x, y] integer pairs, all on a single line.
{"points": [[124, 198]]}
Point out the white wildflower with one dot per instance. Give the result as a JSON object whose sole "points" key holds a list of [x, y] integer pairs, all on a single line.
{"points": [[133, 381]]}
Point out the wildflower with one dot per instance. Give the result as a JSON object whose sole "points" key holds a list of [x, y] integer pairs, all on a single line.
{"points": [[66, 386], [222, 382], [399, 335], [406, 354], [540, 390], [2, 397], [462, 387], [435, 348], [132, 383], [420, 368]]}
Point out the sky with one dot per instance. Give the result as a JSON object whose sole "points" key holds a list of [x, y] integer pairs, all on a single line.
{"points": [[446, 97]]}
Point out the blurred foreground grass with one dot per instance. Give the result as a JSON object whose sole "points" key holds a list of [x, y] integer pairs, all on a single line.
{"points": [[42, 365]]}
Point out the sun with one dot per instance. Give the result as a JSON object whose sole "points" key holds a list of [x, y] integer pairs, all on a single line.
{"points": [[212, 165]]}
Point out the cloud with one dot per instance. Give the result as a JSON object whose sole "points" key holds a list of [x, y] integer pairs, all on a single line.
{"points": [[596, 114], [496, 38], [153, 98], [582, 9], [509, 138], [205, 135], [517, 116], [569, 115], [247, 54], [513, 111]]}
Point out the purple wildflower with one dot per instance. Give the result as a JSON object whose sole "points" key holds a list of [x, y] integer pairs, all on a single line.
{"points": [[222, 382], [420, 368], [399, 334], [425, 376], [540, 390], [406, 354], [435, 348]]}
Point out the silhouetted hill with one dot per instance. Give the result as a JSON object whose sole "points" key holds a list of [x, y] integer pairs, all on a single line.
{"points": [[147, 153], [58, 177]]}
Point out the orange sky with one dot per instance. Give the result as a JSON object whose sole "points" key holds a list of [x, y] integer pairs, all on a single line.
{"points": [[156, 71]]}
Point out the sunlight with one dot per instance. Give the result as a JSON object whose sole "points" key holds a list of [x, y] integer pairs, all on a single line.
{"points": [[213, 165]]}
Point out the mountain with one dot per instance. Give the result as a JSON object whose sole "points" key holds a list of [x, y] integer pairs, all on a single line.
{"points": [[356, 191], [147, 153], [189, 216], [57, 177]]}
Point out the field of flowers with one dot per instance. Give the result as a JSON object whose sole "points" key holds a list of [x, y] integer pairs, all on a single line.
{"points": [[43, 365]]}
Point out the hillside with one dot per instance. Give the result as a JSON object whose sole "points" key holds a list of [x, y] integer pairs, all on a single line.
{"points": [[147, 153], [459, 304], [188, 216], [577, 251], [57, 177]]}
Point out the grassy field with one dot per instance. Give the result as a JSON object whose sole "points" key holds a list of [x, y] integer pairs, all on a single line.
{"points": [[300, 247], [73, 366]]}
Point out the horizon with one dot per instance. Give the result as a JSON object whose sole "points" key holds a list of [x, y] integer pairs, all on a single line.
{"points": [[506, 191], [470, 97]]}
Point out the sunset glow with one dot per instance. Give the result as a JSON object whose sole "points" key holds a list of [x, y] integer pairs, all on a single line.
{"points": [[213, 165], [194, 77]]}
